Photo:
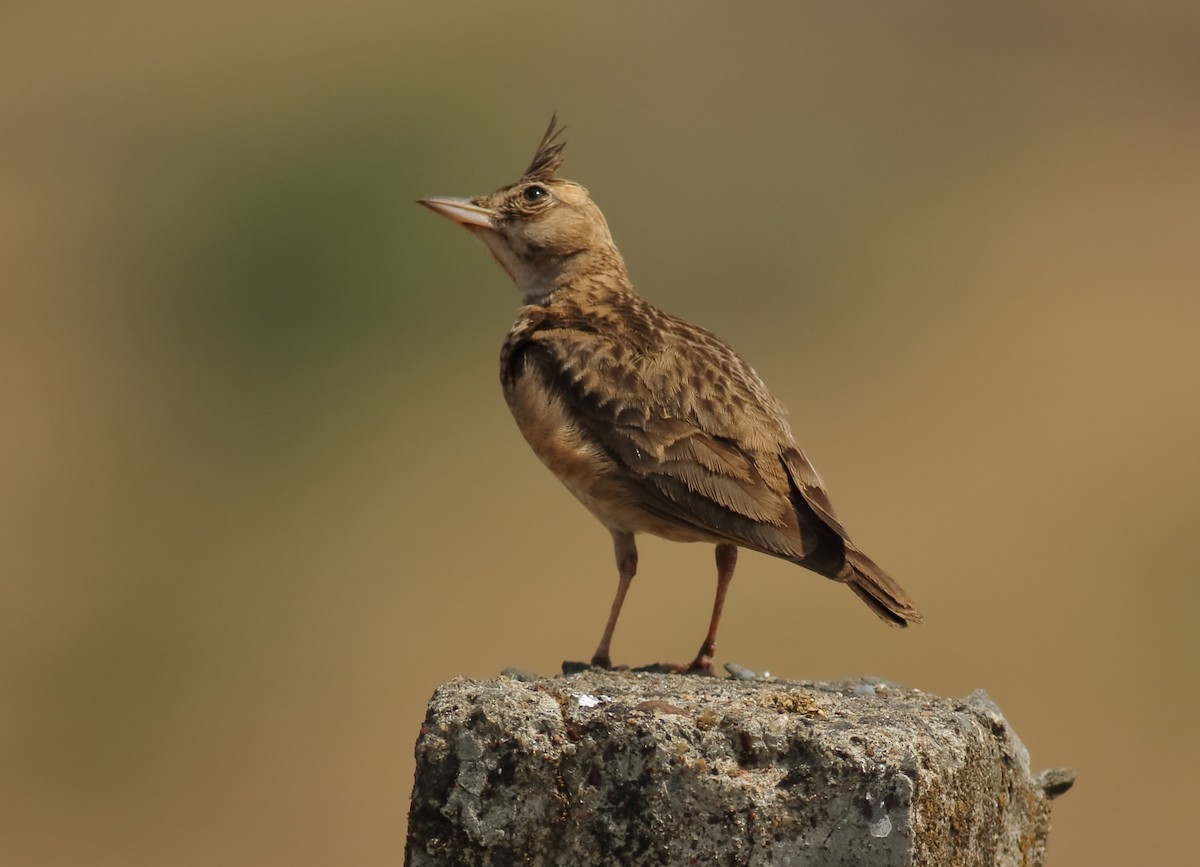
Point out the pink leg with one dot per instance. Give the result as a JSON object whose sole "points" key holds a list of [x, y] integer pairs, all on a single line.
{"points": [[627, 559], [726, 561]]}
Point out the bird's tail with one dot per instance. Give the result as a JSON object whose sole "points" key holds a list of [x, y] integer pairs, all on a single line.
{"points": [[876, 588]]}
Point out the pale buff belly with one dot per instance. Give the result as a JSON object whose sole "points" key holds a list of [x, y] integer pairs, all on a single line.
{"points": [[596, 480]]}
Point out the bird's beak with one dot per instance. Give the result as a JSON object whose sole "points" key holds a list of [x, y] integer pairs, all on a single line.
{"points": [[462, 211]]}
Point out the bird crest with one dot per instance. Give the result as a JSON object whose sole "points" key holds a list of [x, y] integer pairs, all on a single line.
{"points": [[549, 158]]}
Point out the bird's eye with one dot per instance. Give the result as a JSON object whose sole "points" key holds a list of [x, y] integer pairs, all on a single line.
{"points": [[534, 193]]}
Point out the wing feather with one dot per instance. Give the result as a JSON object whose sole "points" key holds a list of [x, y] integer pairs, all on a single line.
{"points": [[701, 441]]}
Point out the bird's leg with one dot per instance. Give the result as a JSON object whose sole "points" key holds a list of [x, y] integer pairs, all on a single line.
{"points": [[726, 561], [627, 559]]}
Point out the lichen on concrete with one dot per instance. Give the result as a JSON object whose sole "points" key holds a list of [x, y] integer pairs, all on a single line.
{"points": [[640, 769]]}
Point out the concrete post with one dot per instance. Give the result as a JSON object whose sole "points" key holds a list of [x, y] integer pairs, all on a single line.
{"points": [[608, 768]]}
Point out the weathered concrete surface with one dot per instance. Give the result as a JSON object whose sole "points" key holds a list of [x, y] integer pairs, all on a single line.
{"points": [[612, 768]]}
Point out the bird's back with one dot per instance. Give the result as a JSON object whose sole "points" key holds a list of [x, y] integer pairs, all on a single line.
{"points": [[665, 418]]}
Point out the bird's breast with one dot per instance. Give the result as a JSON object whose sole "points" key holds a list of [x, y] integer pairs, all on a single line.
{"points": [[581, 463]]}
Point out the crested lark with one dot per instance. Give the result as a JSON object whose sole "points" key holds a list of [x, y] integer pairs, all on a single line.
{"points": [[654, 424]]}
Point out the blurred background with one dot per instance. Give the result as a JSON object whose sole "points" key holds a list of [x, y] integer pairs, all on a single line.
{"points": [[260, 493]]}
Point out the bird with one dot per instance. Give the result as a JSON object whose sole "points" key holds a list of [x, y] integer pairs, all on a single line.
{"points": [[656, 425]]}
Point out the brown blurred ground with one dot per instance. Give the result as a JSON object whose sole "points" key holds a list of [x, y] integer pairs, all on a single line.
{"points": [[260, 492]]}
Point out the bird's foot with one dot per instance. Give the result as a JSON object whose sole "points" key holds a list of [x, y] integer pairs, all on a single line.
{"points": [[602, 663], [702, 665]]}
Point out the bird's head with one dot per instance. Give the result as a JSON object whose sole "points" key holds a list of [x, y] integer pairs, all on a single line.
{"points": [[542, 229]]}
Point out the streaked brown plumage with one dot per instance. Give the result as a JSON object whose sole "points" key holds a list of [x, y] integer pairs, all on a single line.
{"points": [[654, 424]]}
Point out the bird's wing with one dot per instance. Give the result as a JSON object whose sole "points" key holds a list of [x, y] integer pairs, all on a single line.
{"points": [[688, 423]]}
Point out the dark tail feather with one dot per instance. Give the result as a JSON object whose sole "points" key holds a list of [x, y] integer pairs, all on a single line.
{"points": [[876, 588]]}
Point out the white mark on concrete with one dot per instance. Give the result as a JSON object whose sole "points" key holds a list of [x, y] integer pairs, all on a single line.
{"points": [[586, 700]]}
